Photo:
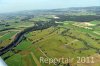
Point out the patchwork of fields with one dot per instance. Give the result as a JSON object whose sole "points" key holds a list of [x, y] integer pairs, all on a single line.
{"points": [[67, 39]]}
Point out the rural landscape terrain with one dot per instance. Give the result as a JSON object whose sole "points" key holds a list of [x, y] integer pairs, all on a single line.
{"points": [[25, 36]]}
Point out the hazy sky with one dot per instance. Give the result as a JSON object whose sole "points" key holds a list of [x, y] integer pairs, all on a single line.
{"points": [[18, 5]]}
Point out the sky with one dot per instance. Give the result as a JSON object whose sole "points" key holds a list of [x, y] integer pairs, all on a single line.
{"points": [[19, 5]]}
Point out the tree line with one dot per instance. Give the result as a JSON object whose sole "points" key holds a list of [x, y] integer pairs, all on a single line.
{"points": [[81, 18]]}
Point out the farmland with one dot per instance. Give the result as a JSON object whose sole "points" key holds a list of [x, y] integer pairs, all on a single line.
{"points": [[56, 36]]}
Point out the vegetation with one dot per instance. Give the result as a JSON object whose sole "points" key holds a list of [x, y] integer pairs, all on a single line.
{"points": [[58, 35]]}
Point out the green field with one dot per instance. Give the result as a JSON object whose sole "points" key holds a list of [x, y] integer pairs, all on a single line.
{"points": [[67, 39]]}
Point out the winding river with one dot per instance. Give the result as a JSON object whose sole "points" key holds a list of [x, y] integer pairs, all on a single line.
{"points": [[20, 35]]}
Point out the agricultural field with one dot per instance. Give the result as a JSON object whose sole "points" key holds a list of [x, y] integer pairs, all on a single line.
{"points": [[71, 37]]}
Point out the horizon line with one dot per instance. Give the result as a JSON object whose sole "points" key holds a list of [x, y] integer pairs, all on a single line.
{"points": [[46, 9]]}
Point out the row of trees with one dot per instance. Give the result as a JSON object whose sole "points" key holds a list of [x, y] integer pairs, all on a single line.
{"points": [[85, 18]]}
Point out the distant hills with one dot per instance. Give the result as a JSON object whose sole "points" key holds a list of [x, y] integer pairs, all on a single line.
{"points": [[94, 10]]}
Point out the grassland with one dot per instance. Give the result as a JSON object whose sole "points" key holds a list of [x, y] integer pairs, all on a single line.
{"points": [[68, 39], [63, 40]]}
